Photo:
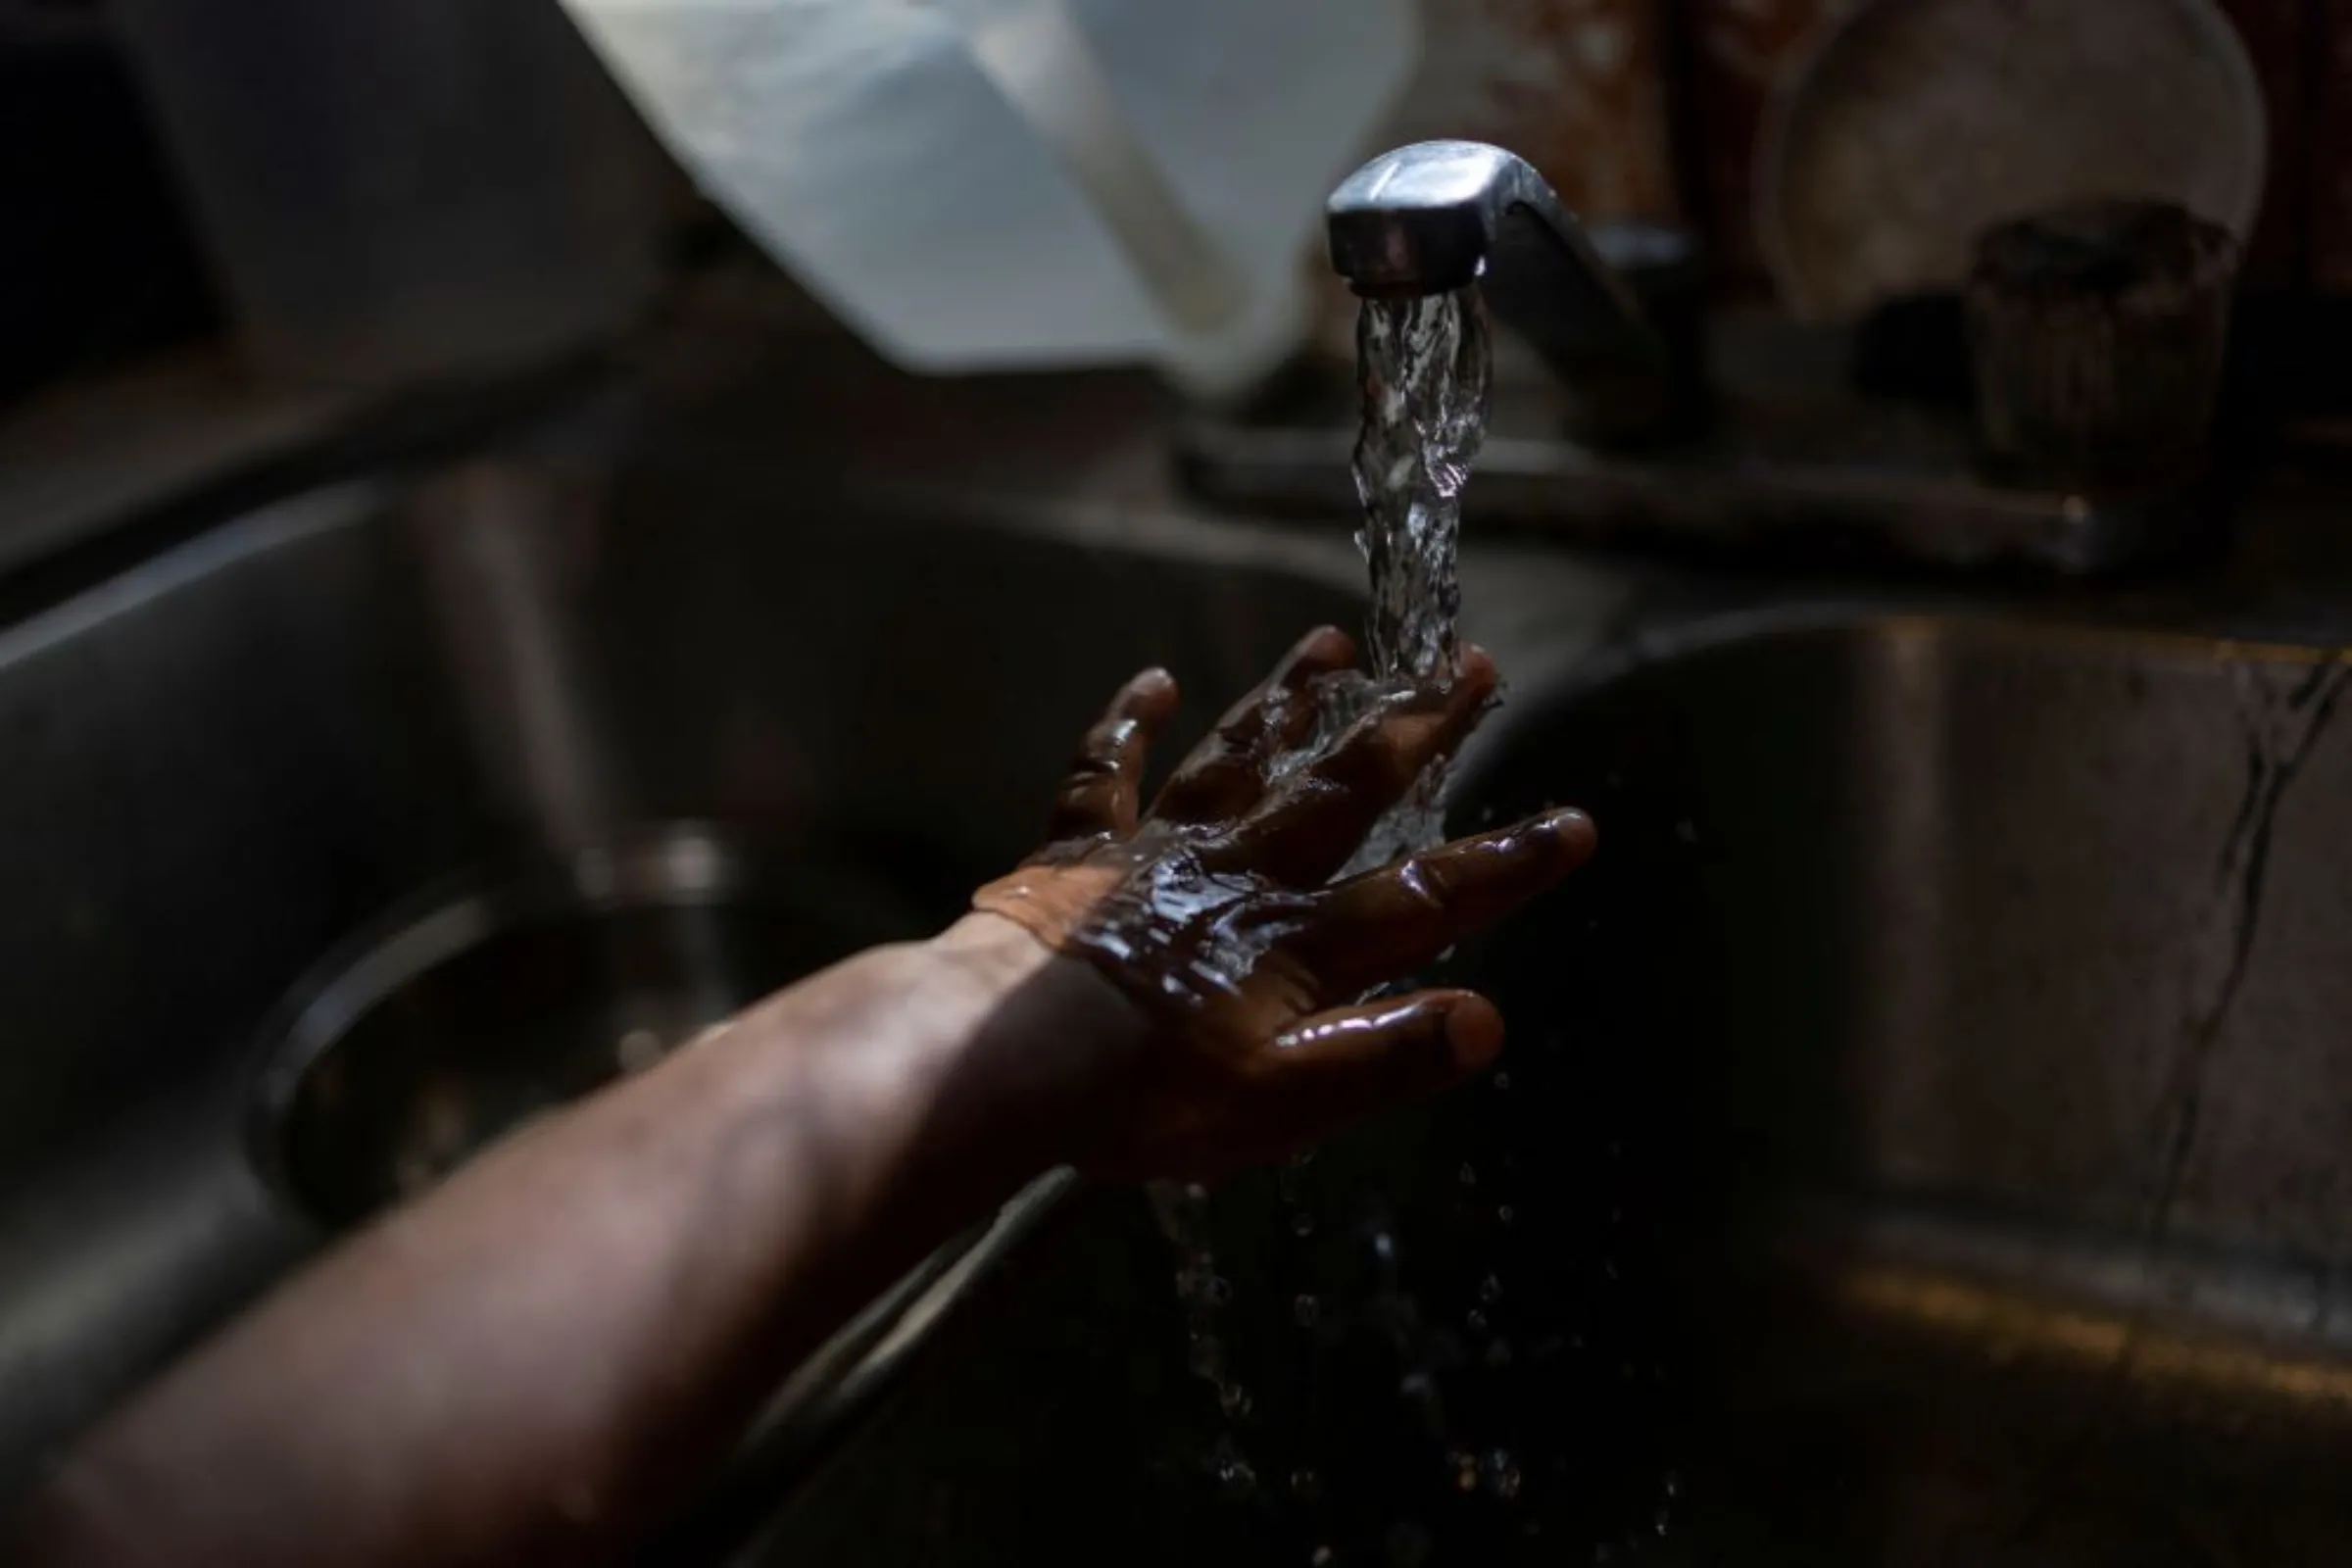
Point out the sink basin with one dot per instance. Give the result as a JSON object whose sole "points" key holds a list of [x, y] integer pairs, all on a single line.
{"points": [[252, 771], [1928, 1134], [1926, 1139], [514, 991]]}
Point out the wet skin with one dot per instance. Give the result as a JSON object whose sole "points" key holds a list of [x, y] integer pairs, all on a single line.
{"points": [[1213, 911], [534, 1362]]}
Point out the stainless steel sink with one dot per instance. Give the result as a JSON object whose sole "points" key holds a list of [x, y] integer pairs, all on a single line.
{"points": [[247, 752], [1927, 1140]]}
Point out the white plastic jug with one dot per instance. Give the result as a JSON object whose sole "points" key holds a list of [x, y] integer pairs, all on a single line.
{"points": [[978, 184]]}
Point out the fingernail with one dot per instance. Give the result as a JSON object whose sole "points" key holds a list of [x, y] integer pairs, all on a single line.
{"points": [[1572, 830], [1326, 645], [1473, 1033]]}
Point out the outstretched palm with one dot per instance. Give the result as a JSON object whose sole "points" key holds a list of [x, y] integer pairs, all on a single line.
{"points": [[1216, 913]]}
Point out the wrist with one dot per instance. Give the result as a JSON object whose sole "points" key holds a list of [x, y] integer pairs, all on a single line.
{"points": [[1050, 1032], [993, 953]]}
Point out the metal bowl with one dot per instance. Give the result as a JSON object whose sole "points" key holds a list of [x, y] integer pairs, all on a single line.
{"points": [[517, 988]]}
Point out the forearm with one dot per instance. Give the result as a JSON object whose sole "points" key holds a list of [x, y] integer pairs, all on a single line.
{"points": [[528, 1364], [531, 1362]]}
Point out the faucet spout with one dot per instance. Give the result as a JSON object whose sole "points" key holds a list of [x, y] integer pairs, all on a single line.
{"points": [[1439, 215]]}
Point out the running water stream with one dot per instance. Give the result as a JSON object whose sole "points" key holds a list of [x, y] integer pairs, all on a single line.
{"points": [[1425, 370], [1426, 373]]}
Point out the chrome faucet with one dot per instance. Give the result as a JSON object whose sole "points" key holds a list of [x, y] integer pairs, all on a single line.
{"points": [[1440, 215], [1792, 457]]}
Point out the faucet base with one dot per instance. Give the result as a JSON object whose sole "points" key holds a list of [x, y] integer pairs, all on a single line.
{"points": [[1797, 465]]}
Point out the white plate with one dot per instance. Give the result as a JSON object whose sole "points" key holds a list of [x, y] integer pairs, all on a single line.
{"points": [[1910, 126]]}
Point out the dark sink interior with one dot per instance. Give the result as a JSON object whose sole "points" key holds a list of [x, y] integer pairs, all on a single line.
{"points": [[1925, 1139], [241, 766], [1923, 1143], [512, 993]]}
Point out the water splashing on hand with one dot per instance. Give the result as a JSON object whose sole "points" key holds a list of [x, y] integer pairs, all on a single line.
{"points": [[1426, 372]]}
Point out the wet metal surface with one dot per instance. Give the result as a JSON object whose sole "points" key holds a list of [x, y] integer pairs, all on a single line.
{"points": [[1925, 1138], [237, 757], [515, 990]]}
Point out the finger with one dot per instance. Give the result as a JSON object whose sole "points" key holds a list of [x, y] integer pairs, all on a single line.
{"points": [[1372, 928], [1336, 1068], [1105, 777], [1226, 773], [1310, 825]]}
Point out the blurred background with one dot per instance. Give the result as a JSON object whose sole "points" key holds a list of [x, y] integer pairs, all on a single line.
{"points": [[175, 183]]}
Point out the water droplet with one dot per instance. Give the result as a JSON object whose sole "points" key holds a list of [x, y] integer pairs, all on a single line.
{"points": [[1417, 1388], [1303, 1485], [1674, 1485], [1234, 1400], [1236, 1478], [1502, 1080], [1302, 1223], [1383, 1247], [1465, 1471], [1662, 1521], [1322, 1557], [1489, 1289], [1503, 1475], [1306, 1310], [1467, 1176], [1476, 1320], [1507, 1214], [1220, 1289]]}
